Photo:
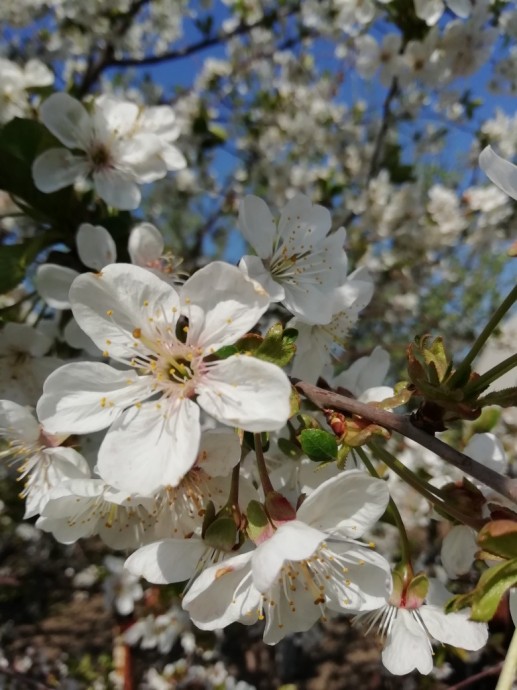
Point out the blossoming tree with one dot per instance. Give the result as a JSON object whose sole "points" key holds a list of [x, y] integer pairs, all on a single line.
{"points": [[206, 273]]}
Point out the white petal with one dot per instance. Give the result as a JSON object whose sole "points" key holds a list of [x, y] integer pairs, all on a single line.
{"points": [[429, 10], [501, 172], [462, 8], [67, 119], [219, 452], [247, 393], [293, 541], [19, 338], [348, 504], [109, 306], [58, 168], [161, 120], [172, 157], [117, 189], [407, 647], [117, 116], [18, 423], [223, 594], [454, 628], [221, 305], [254, 268], [488, 450], [95, 246], [141, 157], [166, 561], [305, 221], [151, 446], [53, 283], [145, 245], [82, 397], [37, 74], [458, 550], [257, 225]]}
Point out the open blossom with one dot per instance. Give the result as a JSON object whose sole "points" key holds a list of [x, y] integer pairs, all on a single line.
{"points": [[168, 338], [14, 82], [297, 261], [410, 624], [41, 462], [501, 172], [308, 566], [118, 153]]}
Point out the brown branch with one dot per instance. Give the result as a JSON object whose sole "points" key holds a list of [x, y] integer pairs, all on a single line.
{"points": [[492, 671], [402, 424]]}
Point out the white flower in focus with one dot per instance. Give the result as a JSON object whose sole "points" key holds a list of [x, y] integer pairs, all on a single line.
{"points": [[115, 156], [308, 566], [42, 462], [14, 82], [410, 626], [168, 339], [297, 261], [315, 343], [121, 588], [79, 508]]}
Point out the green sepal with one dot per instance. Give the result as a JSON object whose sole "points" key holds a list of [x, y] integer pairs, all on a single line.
{"points": [[222, 534], [276, 347], [258, 521]]}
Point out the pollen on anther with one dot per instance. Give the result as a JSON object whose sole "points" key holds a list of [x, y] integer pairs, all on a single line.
{"points": [[146, 302], [109, 312]]}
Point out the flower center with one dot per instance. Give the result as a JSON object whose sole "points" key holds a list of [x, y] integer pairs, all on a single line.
{"points": [[100, 157]]}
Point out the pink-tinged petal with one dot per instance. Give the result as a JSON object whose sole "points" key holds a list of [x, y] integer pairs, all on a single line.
{"points": [[219, 452], [224, 594], [82, 397], [53, 283], [293, 541], [221, 305], [407, 647], [146, 244], [247, 393], [117, 189], [151, 447], [58, 168], [109, 307], [166, 561], [257, 224], [501, 172], [68, 120], [454, 628], [347, 505], [95, 246]]}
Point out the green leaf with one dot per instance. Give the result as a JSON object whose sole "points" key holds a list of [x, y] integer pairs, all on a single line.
{"points": [[21, 141], [318, 444], [491, 588], [226, 351], [276, 347], [14, 259]]}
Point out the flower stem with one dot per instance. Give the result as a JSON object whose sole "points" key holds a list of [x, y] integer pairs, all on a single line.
{"points": [[392, 509], [487, 331], [426, 490], [509, 671], [261, 466], [492, 375]]}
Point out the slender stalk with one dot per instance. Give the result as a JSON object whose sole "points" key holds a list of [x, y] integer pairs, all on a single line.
{"points": [[261, 465], [423, 488], [402, 424], [509, 672], [492, 671], [487, 331], [392, 509], [492, 375]]}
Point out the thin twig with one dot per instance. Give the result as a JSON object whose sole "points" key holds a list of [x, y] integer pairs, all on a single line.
{"points": [[402, 424], [492, 671]]}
